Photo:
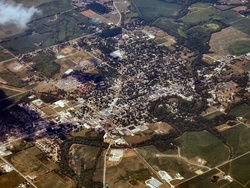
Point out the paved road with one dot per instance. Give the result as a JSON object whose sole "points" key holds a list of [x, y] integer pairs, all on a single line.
{"points": [[105, 165]]}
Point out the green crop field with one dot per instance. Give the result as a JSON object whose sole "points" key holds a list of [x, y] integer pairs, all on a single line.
{"points": [[160, 9], [238, 138], [229, 16], [203, 181], [239, 169], [242, 110], [53, 7], [239, 48], [164, 161], [203, 145], [243, 25], [168, 24], [4, 55], [46, 65], [12, 79], [200, 14]]}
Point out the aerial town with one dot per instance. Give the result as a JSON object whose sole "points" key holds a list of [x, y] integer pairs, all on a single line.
{"points": [[126, 92]]}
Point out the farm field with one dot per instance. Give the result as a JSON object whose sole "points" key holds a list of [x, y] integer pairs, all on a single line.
{"points": [[204, 181], [239, 48], [226, 40], [12, 79], [130, 171], [200, 12], [238, 138], [53, 180], [83, 152], [169, 162], [242, 110], [161, 9], [7, 180], [197, 144], [213, 114], [46, 65], [4, 54], [239, 169], [27, 162]]}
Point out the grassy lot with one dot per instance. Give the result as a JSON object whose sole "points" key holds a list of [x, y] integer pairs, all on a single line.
{"points": [[168, 24], [213, 115], [200, 14], [11, 179], [27, 162], [12, 79], [172, 165], [45, 65], [242, 110], [229, 16], [4, 55], [160, 9], [238, 169], [87, 153], [239, 48], [203, 181], [128, 170], [233, 185], [43, 58], [246, 67], [238, 138], [53, 7], [52, 180], [205, 146], [243, 25], [9, 92]]}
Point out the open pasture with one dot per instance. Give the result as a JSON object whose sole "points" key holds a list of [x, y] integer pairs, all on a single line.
{"points": [[203, 145]]}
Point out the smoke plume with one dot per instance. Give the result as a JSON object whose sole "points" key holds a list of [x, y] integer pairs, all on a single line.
{"points": [[16, 14]]}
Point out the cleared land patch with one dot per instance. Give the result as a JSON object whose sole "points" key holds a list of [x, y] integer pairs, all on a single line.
{"points": [[7, 180], [229, 36], [83, 152]]}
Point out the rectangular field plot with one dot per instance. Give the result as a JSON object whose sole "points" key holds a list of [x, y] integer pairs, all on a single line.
{"points": [[204, 181], [53, 180], [27, 162], [160, 8], [239, 169], [204, 146], [238, 138], [11, 179], [200, 13], [170, 162], [242, 110], [4, 54]]}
